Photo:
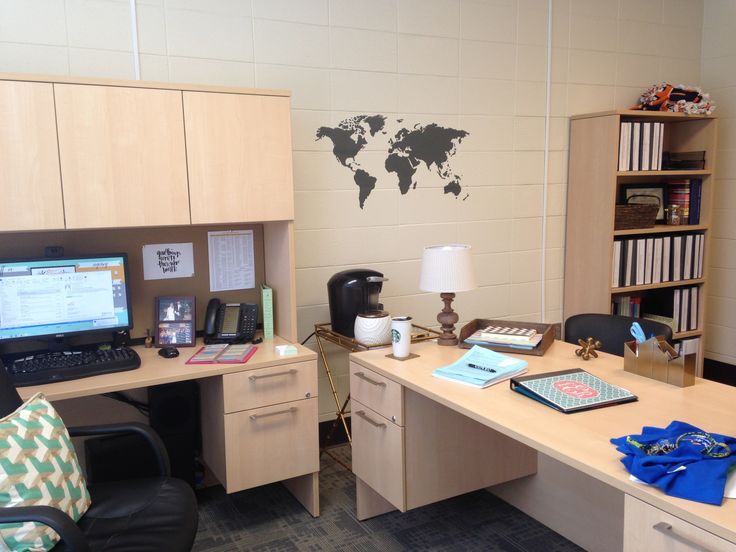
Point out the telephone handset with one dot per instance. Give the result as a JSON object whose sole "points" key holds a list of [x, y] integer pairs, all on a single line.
{"points": [[230, 322]]}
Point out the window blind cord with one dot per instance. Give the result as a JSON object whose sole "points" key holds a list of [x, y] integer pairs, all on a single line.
{"points": [[545, 180], [134, 39]]}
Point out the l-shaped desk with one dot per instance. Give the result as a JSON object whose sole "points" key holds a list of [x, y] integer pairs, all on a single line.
{"points": [[418, 439], [259, 419]]}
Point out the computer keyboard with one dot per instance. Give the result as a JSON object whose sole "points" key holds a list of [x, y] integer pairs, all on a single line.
{"points": [[46, 367]]}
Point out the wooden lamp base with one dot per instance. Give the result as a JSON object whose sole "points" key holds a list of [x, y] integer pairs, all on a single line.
{"points": [[447, 318]]}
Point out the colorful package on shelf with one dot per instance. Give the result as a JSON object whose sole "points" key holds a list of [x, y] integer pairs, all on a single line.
{"points": [[682, 99]]}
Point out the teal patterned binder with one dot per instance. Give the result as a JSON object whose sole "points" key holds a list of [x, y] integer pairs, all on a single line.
{"points": [[571, 390]]}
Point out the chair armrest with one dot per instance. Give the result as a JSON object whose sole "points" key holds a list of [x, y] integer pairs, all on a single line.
{"points": [[154, 441], [52, 517]]}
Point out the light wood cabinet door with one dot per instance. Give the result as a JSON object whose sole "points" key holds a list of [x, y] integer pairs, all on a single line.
{"points": [[649, 528], [378, 454], [123, 160], [270, 444], [29, 158], [239, 157]]}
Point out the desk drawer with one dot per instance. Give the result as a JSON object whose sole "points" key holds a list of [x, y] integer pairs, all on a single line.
{"points": [[270, 444], [272, 385], [648, 528], [378, 453], [378, 393]]}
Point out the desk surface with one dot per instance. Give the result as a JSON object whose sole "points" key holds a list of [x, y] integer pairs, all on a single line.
{"points": [[156, 370], [580, 440]]}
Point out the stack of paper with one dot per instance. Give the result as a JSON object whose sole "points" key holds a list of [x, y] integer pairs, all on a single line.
{"points": [[524, 338], [481, 367]]}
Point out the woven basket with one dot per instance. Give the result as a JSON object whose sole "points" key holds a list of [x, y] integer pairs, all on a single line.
{"points": [[635, 216]]}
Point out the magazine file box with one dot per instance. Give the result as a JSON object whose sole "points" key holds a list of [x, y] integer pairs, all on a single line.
{"points": [[656, 359]]}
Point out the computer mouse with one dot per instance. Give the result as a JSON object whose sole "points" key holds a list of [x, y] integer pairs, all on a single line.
{"points": [[169, 352]]}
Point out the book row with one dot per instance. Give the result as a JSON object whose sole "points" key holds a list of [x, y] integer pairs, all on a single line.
{"points": [[640, 146], [678, 307], [652, 260], [686, 194]]}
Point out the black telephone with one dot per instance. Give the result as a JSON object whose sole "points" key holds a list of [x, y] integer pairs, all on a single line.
{"points": [[230, 322]]}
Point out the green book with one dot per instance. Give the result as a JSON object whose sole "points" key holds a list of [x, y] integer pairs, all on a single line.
{"points": [[267, 305]]}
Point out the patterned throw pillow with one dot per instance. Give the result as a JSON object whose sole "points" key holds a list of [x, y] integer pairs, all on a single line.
{"points": [[38, 467]]}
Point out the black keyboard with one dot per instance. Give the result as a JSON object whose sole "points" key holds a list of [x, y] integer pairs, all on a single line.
{"points": [[40, 368]]}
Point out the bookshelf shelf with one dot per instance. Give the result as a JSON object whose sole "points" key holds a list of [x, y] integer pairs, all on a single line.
{"points": [[662, 229], [685, 335], [668, 173], [595, 185], [634, 289]]}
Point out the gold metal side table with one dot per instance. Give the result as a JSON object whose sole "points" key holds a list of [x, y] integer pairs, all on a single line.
{"points": [[325, 332]]}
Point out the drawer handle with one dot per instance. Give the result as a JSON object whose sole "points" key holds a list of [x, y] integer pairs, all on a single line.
{"points": [[363, 415], [362, 376], [261, 376], [666, 529], [290, 410]]}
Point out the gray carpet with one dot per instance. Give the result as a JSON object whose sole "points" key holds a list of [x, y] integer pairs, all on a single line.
{"points": [[269, 519]]}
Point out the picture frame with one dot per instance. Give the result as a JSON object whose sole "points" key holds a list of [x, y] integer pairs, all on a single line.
{"points": [[175, 321], [643, 194]]}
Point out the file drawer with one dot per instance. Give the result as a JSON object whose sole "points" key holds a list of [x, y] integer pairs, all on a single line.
{"points": [[648, 528], [270, 444], [378, 393], [271, 385], [378, 453]]}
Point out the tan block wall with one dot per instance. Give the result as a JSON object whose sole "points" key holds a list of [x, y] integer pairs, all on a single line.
{"points": [[719, 78], [476, 65]]}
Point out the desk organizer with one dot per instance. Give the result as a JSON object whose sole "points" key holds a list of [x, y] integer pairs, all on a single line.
{"points": [[657, 359], [547, 331]]}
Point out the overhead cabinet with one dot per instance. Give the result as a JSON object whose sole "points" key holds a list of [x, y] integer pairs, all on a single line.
{"points": [[123, 161], [29, 158], [239, 157], [88, 153]]}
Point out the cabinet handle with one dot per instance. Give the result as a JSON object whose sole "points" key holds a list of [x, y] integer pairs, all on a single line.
{"points": [[290, 410], [666, 529], [363, 415], [362, 376], [261, 376]]}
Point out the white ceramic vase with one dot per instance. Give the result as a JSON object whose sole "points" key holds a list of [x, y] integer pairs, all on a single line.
{"points": [[373, 328]]}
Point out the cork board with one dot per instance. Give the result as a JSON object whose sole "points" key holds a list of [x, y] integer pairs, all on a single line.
{"points": [[131, 241]]}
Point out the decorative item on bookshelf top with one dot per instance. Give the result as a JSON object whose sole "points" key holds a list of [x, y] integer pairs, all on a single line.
{"points": [[684, 99]]}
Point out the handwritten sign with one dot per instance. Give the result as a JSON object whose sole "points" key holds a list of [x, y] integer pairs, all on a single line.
{"points": [[168, 260]]}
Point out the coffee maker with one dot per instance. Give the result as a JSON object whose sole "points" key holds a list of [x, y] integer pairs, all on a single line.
{"points": [[350, 293]]}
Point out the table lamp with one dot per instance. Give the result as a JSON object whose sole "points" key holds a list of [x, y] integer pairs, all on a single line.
{"points": [[447, 269]]}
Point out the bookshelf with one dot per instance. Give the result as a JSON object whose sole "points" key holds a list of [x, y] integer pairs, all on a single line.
{"points": [[595, 186]]}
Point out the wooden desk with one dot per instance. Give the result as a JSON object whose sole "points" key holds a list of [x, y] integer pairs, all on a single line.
{"points": [[580, 488], [259, 419]]}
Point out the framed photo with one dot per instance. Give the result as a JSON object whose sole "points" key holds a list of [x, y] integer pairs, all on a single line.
{"points": [[645, 193], [175, 321]]}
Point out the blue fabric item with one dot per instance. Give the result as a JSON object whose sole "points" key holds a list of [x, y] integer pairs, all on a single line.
{"points": [[656, 454]]}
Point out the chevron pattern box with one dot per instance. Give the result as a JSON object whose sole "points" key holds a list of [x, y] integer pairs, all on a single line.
{"points": [[38, 467]]}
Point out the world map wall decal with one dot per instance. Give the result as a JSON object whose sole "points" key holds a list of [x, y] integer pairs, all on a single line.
{"points": [[406, 149]]}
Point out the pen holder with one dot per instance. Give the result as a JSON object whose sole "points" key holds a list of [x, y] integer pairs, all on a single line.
{"points": [[656, 359]]}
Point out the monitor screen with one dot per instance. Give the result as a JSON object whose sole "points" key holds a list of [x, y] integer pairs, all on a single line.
{"points": [[48, 298]]}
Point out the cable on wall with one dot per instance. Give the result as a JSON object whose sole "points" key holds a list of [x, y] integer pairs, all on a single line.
{"points": [[134, 37], [545, 179]]}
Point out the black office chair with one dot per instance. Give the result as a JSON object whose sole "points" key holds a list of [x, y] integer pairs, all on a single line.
{"points": [[147, 514], [611, 330]]}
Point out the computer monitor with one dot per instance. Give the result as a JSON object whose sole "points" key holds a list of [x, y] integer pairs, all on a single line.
{"points": [[53, 298]]}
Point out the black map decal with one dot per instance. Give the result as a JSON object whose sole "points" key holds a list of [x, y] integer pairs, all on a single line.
{"points": [[430, 144]]}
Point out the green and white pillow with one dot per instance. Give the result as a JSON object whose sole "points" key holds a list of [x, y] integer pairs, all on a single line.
{"points": [[38, 467]]}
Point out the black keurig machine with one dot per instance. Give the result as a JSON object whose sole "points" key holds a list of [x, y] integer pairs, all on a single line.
{"points": [[350, 293]]}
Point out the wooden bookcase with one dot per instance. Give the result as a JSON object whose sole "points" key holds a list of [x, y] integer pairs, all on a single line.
{"points": [[594, 185]]}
